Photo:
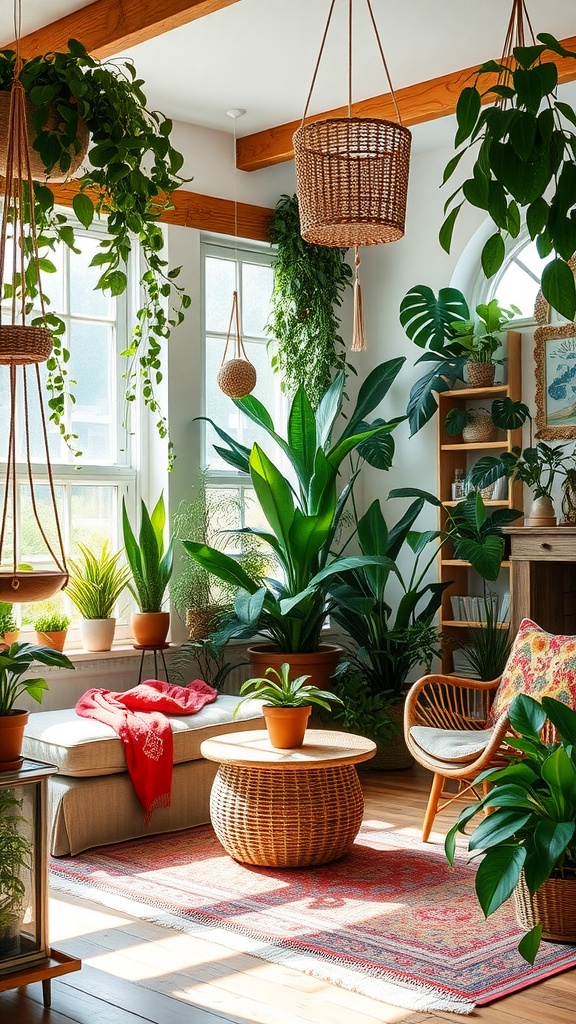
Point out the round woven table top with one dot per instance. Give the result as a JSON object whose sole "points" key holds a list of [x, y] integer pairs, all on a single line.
{"points": [[321, 749]]}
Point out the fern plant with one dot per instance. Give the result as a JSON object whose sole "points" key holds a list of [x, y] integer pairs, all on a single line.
{"points": [[309, 284], [96, 582]]}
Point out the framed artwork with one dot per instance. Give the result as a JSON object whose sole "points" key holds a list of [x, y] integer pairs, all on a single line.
{"points": [[555, 359]]}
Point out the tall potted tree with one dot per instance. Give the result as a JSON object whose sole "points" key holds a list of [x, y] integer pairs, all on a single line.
{"points": [[304, 510]]}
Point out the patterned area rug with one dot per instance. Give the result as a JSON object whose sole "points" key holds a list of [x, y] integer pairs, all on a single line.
{"points": [[391, 920]]}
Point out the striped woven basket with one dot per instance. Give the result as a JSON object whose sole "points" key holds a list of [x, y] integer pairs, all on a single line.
{"points": [[21, 345]]}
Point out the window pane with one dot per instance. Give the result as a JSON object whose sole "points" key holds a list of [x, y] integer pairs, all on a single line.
{"points": [[517, 288], [93, 516], [220, 285], [84, 300], [94, 414], [37, 447], [32, 545], [257, 281]]}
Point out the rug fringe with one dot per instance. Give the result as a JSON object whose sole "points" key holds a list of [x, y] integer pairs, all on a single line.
{"points": [[383, 987]]}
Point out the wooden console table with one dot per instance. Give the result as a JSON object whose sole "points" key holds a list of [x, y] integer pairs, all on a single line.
{"points": [[543, 577]]}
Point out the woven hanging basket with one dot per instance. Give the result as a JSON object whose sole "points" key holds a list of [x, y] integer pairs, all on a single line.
{"points": [[352, 180], [21, 345], [236, 378], [52, 123], [22, 587]]}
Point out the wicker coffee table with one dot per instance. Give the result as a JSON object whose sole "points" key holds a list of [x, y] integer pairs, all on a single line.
{"points": [[287, 808]]}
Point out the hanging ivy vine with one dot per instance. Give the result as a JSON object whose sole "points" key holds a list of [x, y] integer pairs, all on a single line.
{"points": [[309, 284]]}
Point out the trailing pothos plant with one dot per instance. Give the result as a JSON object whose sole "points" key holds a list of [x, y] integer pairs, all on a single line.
{"points": [[132, 170], [525, 163], [309, 284]]}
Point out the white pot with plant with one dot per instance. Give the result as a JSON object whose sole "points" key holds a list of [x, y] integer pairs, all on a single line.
{"points": [[96, 582]]}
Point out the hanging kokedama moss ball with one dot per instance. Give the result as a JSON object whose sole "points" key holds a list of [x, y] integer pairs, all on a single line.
{"points": [[236, 378]]}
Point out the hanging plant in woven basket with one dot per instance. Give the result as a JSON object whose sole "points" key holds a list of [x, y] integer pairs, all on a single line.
{"points": [[236, 376], [352, 176], [23, 346]]}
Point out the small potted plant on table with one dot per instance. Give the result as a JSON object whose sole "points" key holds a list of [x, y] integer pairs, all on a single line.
{"points": [[287, 704], [51, 629]]}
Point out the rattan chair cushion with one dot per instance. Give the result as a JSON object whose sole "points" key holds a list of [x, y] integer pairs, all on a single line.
{"points": [[460, 746]]}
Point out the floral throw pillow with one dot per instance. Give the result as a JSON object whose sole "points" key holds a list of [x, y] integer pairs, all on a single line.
{"points": [[541, 665]]}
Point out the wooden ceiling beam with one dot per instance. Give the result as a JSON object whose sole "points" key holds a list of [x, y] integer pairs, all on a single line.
{"points": [[193, 210], [108, 27], [424, 101]]}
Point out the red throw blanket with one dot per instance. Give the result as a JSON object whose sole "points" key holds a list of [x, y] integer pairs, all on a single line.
{"points": [[136, 716]]}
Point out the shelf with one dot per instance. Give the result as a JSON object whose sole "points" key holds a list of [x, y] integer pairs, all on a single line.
{"points": [[473, 393], [475, 446], [464, 624], [487, 501], [466, 565]]}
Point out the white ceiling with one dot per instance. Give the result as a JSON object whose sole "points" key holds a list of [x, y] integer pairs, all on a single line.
{"points": [[260, 54]]}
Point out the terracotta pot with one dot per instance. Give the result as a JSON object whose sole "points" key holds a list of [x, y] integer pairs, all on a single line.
{"points": [[480, 375], [150, 629], [97, 634], [11, 735], [286, 726], [541, 513], [319, 665], [55, 639], [10, 637]]}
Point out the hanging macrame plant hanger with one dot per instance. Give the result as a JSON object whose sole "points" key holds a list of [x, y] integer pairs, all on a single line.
{"points": [[352, 175], [236, 376], [23, 346]]}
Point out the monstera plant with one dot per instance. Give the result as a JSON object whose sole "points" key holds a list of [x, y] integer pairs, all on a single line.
{"points": [[128, 177]]}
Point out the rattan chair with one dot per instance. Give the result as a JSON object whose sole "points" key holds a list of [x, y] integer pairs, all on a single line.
{"points": [[445, 727]]}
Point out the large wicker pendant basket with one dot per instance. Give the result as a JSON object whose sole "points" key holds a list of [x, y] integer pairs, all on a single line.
{"points": [[553, 906], [52, 123], [23, 345], [352, 180]]}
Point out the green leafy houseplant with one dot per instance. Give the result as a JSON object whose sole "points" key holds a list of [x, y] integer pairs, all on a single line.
{"points": [[390, 636], [537, 466], [8, 623], [15, 860], [443, 327], [150, 562], [303, 510], [530, 833], [309, 284], [283, 692], [96, 581], [487, 647], [131, 172], [524, 164], [51, 622], [15, 661]]}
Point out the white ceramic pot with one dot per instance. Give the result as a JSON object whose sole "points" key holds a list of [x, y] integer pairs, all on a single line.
{"points": [[541, 513], [97, 634]]}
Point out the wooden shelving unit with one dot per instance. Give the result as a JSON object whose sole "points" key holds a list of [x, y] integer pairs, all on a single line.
{"points": [[452, 456]]}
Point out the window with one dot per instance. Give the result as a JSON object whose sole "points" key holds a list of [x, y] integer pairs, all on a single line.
{"points": [[518, 281], [88, 488]]}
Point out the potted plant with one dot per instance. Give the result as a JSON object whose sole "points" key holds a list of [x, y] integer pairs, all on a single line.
{"points": [[528, 840], [8, 626], [15, 862], [488, 644], [211, 516], [151, 568], [391, 634], [304, 511], [537, 466], [475, 425], [15, 661], [130, 173], [51, 628], [287, 703], [303, 325], [524, 163], [95, 584], [453, 341]]}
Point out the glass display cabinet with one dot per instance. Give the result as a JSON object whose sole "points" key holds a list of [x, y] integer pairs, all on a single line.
{"points": [[25, 954]]}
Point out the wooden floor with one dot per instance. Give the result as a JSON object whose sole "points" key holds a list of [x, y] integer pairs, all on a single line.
{"points": [[134, 972]]}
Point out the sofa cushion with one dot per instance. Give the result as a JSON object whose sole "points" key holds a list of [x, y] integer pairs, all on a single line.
{"points": [[541, 665], [461, 747], [85, 747]]}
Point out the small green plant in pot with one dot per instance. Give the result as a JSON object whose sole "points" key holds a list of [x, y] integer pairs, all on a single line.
{"points": [[96, 582], [51, 628], [287, 703], [15, 864], [528, 841], [8, 625], [150, 562], [15, 662]]}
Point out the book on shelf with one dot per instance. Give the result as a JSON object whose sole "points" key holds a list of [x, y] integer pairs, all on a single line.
{"points": [[467, 608]]}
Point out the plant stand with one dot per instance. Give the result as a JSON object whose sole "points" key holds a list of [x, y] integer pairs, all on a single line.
{"points": [[155, 648]]}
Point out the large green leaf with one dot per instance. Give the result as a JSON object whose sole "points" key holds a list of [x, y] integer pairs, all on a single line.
{"points": [[498, 827], [274, 494], [562, 716], [558, 287], [221, 565], [467, 111], [527, 716], [373, 390], [550, 840], [329, 409], [485, 556], [427, 319], [302, 433], [498, 876]]}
